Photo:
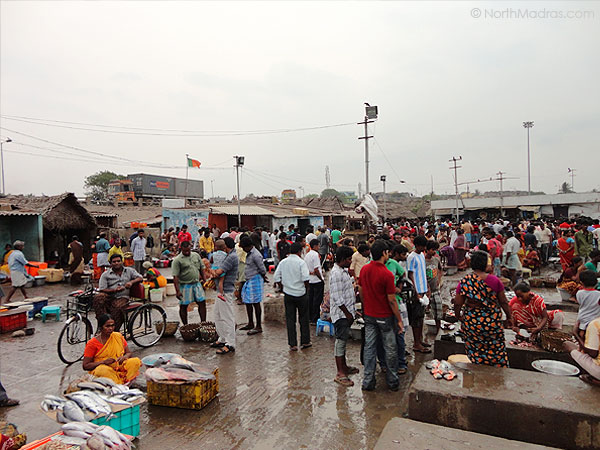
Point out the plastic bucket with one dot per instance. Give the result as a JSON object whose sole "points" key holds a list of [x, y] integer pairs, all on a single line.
{"points": [[156, 295], [171, 289]]}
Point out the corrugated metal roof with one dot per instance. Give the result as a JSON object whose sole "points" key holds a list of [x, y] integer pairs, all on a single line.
{"points": [[245, 210], [18, 212]]}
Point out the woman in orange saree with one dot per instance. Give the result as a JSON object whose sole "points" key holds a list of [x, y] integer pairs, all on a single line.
{"points": [[107, 355], [566, 249]]}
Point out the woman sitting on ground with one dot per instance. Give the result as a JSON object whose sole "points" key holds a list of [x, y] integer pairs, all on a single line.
{"points": [[153, 277], [107, 355], [569, 279], [529, 311], [531, 260]]}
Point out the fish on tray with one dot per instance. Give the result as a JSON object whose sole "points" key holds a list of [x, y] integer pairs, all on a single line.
{"points": [[70, 412], [91, 401]]}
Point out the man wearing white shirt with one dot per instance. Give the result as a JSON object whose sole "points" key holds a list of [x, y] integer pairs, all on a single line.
{"points": [[292, 275], [138, 248], [544, 236], [311, 234], [316, 284]]}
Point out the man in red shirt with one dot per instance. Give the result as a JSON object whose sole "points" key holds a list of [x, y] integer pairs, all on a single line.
{"points": [[377, 291], [184, 235]]}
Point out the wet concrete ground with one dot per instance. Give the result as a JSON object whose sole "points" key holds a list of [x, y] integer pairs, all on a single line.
{"points": [[269, 397]]}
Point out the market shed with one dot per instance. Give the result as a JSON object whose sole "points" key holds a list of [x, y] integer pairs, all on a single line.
{"points": [[24, 225], [62, 217]]}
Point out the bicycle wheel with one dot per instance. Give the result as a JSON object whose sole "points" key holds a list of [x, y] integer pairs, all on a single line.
{"points": [[72, 339], [142, 325]]}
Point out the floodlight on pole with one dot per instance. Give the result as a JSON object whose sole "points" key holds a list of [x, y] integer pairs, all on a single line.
{"points": [[7, 140], [239, 162], [528, 125]]}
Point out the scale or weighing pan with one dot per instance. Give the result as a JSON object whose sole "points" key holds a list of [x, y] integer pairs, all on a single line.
{"points": [[555, 367]]}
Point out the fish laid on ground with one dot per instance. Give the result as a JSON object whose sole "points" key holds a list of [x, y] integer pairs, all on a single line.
{"points": [[164, 374], [93, 386], [105, 381], [52, 402], [72, 412], [91, 401]]}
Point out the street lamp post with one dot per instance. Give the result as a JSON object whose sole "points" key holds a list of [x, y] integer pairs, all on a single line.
{"points": [[383, 178], [2, 162], [528, 125], [239, 162]]}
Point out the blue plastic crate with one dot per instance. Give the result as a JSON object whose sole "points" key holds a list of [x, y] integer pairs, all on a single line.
{"points": [[126, 421]]}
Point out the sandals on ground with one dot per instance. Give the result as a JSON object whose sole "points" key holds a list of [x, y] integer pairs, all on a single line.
{"points": [[344, 381], [226, 349], [217, 344]]}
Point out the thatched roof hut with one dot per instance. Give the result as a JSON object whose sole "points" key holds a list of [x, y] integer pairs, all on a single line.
{"points": [[62, 217]]}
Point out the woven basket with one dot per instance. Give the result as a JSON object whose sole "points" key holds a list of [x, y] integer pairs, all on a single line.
{"points": [[170, 330], [190, 332], [208, 332], [550, 282], [536, 282], [552, 340]]}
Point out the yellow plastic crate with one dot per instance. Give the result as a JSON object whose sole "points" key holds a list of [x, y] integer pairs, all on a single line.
{"points": [[177, 394]]}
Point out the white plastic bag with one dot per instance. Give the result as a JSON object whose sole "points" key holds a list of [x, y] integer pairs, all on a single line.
{"points": [[424, 301]]}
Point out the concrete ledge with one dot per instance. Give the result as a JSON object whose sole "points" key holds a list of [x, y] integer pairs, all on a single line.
{"points": [[532, 407], [273, 309], [408, 434], [518, 357]]}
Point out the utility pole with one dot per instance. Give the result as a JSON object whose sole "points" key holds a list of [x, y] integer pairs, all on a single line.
{"points": [[500, 178], [455, 167], [187, 168], [370, 113], [571, 171], [432, 187], [7, 140], [383, 178], [239, 162], [327, 177], [528, 125]]}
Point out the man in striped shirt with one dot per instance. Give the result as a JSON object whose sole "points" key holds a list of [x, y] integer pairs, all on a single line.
{"points": [[417, 273], [343, 311]]}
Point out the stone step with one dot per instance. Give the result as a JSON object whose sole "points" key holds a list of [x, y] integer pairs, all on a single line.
{"points": [[518, 357], [531, 407], [409, 434]]}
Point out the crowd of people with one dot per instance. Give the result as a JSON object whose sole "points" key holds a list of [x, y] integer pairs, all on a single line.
{"points": [[388, 282]]}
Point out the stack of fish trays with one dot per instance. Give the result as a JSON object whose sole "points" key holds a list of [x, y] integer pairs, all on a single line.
{"points": [[177, 394], [127, 421]]}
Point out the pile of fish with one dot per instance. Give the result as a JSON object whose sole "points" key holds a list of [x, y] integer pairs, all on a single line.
{"points": [[96, 437], [177, 368], [95, 396], [441, 369]]}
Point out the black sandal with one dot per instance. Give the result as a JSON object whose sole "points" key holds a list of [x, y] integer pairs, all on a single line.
{"points": [[217, 344], [226, 349]]}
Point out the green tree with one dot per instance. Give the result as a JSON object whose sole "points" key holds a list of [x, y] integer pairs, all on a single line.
{"points": [[96, 185], [565, 188], [327, 193]]}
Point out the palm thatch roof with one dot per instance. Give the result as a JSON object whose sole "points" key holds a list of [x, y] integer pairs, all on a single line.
{"points": [[59, 212]]}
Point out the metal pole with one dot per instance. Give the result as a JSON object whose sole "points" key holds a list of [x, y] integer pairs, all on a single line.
{"points": [[187, 169], [212, 189], [528, 165], [500, 173], [2, 160], [456, 167], [237, 173], [366, 158], [384, 203]]}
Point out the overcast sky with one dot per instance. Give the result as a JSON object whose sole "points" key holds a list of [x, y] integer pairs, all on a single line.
{"points": [[446, 83]]}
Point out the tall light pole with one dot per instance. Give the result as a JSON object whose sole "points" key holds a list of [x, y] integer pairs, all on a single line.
{"points": [[370, 113], [239, 162], [455, 167], [572, 172], [2, 161], [212, 189], [528, 125], [383, 178]]}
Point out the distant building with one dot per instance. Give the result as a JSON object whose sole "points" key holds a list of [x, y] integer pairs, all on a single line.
{"points": [[349, 196], [288, 194], [555, 205]]}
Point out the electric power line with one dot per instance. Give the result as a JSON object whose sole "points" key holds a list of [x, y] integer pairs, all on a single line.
{"points": [[162, 132]]}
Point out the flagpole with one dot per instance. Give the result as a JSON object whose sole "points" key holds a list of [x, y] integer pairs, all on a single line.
{"points": [[187, 169]]}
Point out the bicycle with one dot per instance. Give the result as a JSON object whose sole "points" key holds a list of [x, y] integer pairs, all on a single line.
{"points": [[146, 318]]}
